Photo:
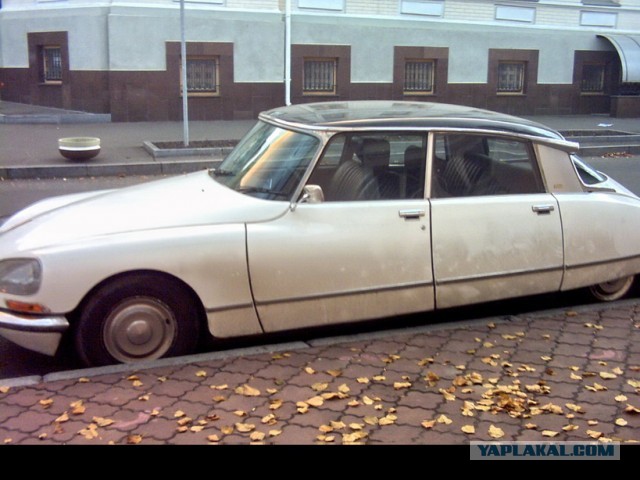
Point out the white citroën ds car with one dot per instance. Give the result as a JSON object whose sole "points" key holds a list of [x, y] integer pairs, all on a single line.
{"points": [[324, 213]]}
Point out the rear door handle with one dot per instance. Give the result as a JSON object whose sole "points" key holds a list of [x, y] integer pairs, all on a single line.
{"points": [[542, 209], [412, 214]]}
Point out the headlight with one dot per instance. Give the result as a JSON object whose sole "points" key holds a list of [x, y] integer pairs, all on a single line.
{"points": [[20, 276]]}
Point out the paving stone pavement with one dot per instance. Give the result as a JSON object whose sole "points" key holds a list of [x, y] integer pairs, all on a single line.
{"points": [[561, 375]]}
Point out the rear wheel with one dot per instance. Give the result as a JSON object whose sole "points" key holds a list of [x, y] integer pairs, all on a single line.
{"points": [[135, 318], [613, 290]]}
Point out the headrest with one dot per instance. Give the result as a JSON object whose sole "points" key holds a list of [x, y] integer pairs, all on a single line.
{"points": [[375, 152], [413, 157]]}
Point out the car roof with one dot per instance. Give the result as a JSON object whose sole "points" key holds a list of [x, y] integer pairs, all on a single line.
{"points": [[402, 115]]}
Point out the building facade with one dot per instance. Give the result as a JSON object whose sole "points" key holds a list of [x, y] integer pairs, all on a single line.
{"points": [[245, 56]]}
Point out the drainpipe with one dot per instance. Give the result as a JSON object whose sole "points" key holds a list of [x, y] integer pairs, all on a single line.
{"points": [[287, 53]]}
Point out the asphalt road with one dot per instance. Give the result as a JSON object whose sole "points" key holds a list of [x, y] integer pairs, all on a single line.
{"points": [[16, 194]]}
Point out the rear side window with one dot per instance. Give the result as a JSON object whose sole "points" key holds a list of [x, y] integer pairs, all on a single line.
{"points": [[471, 165]]}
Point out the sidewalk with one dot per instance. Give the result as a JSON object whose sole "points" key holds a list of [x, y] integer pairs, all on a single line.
{"points": [[561, 375]]}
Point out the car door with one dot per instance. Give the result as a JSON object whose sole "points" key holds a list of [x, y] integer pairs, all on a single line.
{"points": [[362, 252], [496, 232]]}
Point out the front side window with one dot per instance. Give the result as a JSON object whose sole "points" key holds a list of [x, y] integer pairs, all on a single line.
{"points": [[319, 76], [372, 166], [471, 165], [268, 163], [418, 77], [51, 64], [511, 77], [592, 78]]}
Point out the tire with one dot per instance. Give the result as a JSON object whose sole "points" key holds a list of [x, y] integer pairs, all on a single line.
{"points": [[613, 290], [135, 318]]}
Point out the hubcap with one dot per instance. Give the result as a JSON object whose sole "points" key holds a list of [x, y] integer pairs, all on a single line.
{"points": [[139, 328]]}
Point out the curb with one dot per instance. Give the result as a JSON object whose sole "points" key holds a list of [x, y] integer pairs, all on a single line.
{"points": [[156, 152], [107, 170]]}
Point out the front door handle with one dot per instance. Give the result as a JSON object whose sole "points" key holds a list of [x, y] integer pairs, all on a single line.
{"points": [[542, 209], [412, 214]]}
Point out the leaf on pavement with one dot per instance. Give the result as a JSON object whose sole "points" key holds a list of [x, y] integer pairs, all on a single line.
{"points": [[46, 403], [275, 404], [596, 387], [269, 419], [549, 433], [77, 408], [90, 432], [594, 434], [4, 389], [201, 373], [621, 422], [309, 370], [316, 401], [62, 418], [102, 422], [570, 428], [354, 437], [213, 438], [495, 432], [363, 380], [575, 376], [245, 427], [219, 387], [444, 419], [334, 373], [607, 375], [257, 436], [401, 385], [631, 409], [574, 407], [531, 426], [428, 424], [134, 439], [634, 383], [247, 391], [468, 429], [448, 396]]}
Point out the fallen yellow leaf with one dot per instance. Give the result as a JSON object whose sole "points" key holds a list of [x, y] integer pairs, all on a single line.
{"points": [[621, 422], [257, 436], [571, 427], [401, 385], [316, 401], [594, 434], [495, 432], [309, 370], [575, 408], [444, 419], [607, 375], [631, 409], [363, 380], [213, 438], [102, 422], [201, 373], [469, 429], [621, 398], [428, 424], [134, 439], [549, 433], [245, 427], [4, 389], [274, 433], [46, 403], [247, 391]]}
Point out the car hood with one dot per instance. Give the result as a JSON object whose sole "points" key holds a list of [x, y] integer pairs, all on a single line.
{"points": [[182, 201]]}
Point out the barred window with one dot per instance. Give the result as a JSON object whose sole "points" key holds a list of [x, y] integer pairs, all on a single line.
{"points": [[202, 75], [51, 64], [418, 76], [319, 76], [592, 79], [511, 77]]}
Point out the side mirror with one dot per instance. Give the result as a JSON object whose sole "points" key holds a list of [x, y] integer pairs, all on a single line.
{"points": [[312, 194]]}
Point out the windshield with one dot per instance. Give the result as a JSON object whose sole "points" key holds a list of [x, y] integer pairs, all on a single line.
{"points": [[268, 163]]}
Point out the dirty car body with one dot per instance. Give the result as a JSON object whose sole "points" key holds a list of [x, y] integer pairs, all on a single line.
{"points": [[324, 213]]}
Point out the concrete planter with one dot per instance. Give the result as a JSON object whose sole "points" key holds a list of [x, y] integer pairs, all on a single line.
{"points": [[79, 148]]}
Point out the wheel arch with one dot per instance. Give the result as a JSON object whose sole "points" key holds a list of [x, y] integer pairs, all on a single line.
{"points": [[202, 317]]}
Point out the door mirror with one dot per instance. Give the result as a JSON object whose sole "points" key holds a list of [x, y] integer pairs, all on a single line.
{"points": [[312, 194]]}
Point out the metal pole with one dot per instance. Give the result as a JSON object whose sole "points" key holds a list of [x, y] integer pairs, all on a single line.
{"points": [[287, 53], [185, 99]]}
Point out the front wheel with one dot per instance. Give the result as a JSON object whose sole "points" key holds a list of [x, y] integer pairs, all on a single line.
{"points": [[135, 318], [613, 290]]}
